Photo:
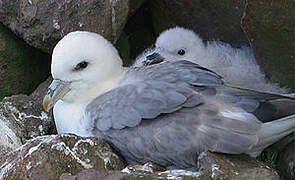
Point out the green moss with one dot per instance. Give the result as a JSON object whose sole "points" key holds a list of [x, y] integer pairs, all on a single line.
{"points": [[22, 67]]}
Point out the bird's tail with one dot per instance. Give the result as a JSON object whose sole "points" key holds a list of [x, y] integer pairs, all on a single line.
{"points": [[273, 131]]}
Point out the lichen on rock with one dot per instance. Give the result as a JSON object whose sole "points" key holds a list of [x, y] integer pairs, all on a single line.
{"points": [[22, 118], [48, 157]]}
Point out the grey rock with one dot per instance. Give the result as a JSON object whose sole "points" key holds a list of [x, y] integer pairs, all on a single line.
{"points": [[42, 23], [69, 157], [212, 166], [41, 90], [269, 26], [139, 33], [212, 20], [22, 118], [92, 174], [48, 157], [22, 68], [286, 161], [147, 171], [221, 166]]}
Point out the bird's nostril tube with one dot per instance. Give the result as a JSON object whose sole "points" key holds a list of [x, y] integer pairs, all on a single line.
{"points": [[152, 56]]}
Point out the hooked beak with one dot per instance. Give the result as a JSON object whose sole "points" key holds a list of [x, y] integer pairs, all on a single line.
{"points": [[56, 91], [154, 58]]}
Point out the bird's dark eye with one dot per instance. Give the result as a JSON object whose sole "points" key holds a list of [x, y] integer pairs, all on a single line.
{"points": [[81, 65], [181, 52]]}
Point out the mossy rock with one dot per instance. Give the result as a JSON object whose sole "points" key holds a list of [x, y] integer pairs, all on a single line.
{"points": [[270, 28], [22, 68]]}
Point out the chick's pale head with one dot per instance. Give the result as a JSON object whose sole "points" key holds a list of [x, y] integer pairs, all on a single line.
{"points": [[180, 44]]}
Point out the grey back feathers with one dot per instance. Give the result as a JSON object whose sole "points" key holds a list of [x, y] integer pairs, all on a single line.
{"points": [[157, 89], [168, 113]]}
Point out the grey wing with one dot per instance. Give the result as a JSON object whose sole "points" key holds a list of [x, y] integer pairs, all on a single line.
{"points": [[265, 106], [163, 88], [178, 72], [224, 122], [127, 105], [155, 121], [179, 137]]}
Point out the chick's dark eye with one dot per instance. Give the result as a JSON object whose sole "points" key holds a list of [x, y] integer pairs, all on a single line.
{"points": [[181, 52], [81, 65]]}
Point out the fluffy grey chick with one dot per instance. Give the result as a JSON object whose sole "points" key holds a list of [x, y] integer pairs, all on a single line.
{"points": [[236, 65]]}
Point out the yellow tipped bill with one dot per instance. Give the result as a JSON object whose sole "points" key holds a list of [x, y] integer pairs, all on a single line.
{"points": [[56, 91]]}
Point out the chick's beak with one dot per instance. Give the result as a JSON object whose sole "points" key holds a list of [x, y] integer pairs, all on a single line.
{"points": [[154, 58], [56, 91]]}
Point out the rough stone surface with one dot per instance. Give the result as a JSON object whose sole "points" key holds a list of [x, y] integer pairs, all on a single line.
{"points": [[286, 161], [22, 118], [270, 28], [22, 68], [139, 32], [40, 92], [90, 174], [48, 157], [212, 20], [41, 23], [219, 166], [144, 172], [212, 166]]}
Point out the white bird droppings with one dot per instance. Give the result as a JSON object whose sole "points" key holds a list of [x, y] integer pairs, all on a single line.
{"points": [[55, 24]]}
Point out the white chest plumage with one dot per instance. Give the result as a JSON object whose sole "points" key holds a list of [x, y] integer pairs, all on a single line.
{"points": [[70, 118]]}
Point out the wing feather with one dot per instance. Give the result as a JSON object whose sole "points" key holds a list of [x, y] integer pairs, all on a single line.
{"points": [[120, 108]]}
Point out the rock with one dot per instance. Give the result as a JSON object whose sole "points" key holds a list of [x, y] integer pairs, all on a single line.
{"points": [[139, 32], [212, 20], [212, 166], [271, 154], [90, 174], [40, 92], [42, 23], [22, 118], [22, 68], [269, 26], [123, 47], [146, 171], [48, 157], [152, 171], [286, 161], [68, 157], [221, 166]]}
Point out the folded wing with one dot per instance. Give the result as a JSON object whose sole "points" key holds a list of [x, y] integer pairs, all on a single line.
{"points": [[170, 112]]}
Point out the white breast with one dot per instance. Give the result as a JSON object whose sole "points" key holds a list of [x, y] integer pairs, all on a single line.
{"points": [[70, 118]]}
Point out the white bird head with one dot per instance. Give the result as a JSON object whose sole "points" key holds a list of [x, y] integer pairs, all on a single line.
{"points": [[175, 44], [84, 65]]}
